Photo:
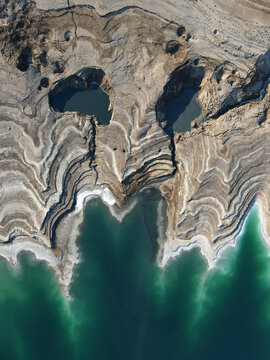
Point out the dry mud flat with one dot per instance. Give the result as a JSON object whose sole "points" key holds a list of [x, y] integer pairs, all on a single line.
{"points": [[142, 56]]}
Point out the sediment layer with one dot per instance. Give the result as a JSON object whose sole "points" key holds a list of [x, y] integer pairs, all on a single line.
{"points": [[141, 55]]}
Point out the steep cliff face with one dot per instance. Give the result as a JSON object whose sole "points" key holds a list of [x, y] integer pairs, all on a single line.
{"points": [[141, 56]]}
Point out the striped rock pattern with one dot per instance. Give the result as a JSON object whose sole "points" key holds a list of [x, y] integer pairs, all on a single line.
{"points": [[141, 55], [223, 169]]}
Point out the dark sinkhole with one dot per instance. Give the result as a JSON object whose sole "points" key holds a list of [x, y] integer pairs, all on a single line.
{"points": [[92, 101], [182, 110], [82, 92], [177, 108]]}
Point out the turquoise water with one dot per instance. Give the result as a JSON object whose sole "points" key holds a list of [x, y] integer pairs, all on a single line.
{"points": [[125, 307], [182, 110], [93, 101]]}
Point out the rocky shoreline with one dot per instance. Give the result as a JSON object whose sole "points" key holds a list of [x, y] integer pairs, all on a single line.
{"points": [[50, 161]]}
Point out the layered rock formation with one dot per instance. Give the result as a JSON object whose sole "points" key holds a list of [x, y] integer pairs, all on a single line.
{"points": [[223, 168], [141, 55]]}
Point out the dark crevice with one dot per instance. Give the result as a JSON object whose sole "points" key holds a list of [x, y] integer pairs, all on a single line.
{"points": [[127, 181], [172, 148], [72, 15], [56, 208], [112, 13], [13, 237], [95, 170], [90, 156], [92, 143]]}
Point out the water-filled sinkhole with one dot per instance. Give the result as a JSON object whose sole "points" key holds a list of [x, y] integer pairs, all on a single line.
{"points": [[91, 101], [178, 109], [88, 92], [182, 110]]}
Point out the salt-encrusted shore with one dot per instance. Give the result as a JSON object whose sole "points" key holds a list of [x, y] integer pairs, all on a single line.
{"points": [[11, 251], [212, 257], [105, 195]]}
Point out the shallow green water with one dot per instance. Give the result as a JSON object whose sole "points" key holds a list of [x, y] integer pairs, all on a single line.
{"points": [[125, 307], [182, 110], [93, 101]]}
